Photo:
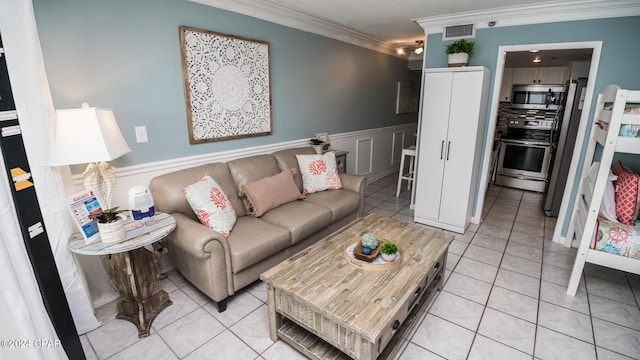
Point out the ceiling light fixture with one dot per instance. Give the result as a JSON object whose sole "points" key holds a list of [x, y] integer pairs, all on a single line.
{"points": [[533, 51], [537, 60], [400, 51], [420, 47]]}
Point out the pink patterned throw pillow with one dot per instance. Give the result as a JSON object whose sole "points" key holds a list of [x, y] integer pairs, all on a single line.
{"points": [[319, 172], [627, 193], [211, 205], [270, 192]]}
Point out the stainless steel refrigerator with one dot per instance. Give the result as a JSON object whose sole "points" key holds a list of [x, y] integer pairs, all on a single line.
{"points": [[566, 142]]}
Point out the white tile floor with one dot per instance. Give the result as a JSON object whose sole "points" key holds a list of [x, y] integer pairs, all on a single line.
{"points": [[504, 299]]}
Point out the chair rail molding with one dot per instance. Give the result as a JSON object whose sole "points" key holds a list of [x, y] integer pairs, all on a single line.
{"points": [[381, 149]]}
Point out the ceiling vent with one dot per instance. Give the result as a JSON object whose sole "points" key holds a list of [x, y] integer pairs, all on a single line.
{"points": [[458, 32]]}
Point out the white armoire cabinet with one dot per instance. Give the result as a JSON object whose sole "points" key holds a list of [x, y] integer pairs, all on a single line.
{"points": [[450, 144]]}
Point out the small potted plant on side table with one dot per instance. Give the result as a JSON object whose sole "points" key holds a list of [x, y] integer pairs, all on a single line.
{"points": [[317, 145], [110, 224], [389, 251]]}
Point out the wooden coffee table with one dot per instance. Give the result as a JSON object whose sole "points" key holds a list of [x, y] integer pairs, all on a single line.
{"points": [[331, 306]]}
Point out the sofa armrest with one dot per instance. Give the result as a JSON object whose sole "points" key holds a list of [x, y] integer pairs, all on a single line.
{"points": [[194, 238], [202, 256], [355, 183]]}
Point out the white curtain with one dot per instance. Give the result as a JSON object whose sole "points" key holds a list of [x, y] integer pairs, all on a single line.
{"points": [[22, 306], [22, 314]]}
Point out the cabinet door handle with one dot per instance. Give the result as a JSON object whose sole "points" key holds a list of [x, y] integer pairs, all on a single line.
{"points": [[448, 148], [441, 149]]}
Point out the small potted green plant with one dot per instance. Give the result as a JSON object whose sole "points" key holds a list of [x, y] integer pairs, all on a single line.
{"points": [[317, 145], [389, 251], [110, 224], [459, 52]]}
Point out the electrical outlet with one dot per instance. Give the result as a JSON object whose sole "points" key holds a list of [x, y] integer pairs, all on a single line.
{"points": [[141, 134]]}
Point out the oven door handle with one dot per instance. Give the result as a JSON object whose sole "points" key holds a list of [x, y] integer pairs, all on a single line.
{"points": [[524, 142], [548, 99]]}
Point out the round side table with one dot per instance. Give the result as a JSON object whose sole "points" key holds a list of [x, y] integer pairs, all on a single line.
{"points": [[133, 269]]}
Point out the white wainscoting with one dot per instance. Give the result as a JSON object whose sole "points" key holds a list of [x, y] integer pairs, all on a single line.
{"points": [[364, 156], [397, 146], [371, 151]]}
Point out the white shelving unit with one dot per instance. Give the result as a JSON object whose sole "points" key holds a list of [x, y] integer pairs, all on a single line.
{"points": [[450, 142], [610, 115]]}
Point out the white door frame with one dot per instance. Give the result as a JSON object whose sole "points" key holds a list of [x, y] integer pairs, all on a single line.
{"points": [[584, 119]]}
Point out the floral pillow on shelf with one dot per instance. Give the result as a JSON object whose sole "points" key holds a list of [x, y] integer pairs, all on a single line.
{"points": [[319, 172], [211, 205]]}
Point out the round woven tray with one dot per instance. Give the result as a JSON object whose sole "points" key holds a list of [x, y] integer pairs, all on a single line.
{"points": [[376, 265]]}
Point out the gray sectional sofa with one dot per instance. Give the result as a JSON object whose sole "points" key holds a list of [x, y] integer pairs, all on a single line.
{"points": [[220, 266]]}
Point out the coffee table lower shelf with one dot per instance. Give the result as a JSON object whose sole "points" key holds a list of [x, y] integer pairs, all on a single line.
{"points": [[314, 347]]}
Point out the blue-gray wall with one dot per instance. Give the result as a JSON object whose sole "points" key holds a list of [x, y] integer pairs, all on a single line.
{"points": [[125, 55], [618, 62]]}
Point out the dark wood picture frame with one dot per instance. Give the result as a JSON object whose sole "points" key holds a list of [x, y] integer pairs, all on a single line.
{"points": [[407, 97], [227, 85]]}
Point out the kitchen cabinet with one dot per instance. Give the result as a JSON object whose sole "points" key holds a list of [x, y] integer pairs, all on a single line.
{"points": [[552, 75], [450, 143], [507, 84]]}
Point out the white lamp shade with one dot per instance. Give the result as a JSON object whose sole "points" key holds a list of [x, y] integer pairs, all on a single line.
{"points": [[86, 135]]}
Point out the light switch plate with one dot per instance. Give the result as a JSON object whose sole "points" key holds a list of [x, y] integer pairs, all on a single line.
{"points": [[141, 134]]}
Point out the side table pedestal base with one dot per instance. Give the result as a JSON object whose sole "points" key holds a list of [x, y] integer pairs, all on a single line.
{"points": [[128, 310], [135, 273]]}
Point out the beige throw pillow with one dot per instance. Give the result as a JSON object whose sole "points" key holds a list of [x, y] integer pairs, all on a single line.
{"points": [[270, 192]]}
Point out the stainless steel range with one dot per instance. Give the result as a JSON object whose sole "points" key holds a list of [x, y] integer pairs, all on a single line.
{"points": [[525, 154]]}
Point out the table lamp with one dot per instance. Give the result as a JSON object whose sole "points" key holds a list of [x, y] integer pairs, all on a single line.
{"points": [[89, 135]]}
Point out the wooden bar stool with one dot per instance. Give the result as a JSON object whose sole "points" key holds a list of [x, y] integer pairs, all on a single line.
{"points": [[411, 152]]}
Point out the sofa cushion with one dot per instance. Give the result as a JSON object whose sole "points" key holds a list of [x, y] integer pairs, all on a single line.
{"points": [[300, 218], [271, 192], [253, 240], [319, 172], [211, 205], [252, 168], [167, 188], [246, 170], [340, 202], [287, 160]]}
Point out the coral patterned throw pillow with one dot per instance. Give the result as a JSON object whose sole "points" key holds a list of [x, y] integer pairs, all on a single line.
{"points": [[627, 193], [319, 172], [211, 205]]}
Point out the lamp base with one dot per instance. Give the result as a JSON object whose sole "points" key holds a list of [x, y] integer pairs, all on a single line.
{"points": [[100, 179]]}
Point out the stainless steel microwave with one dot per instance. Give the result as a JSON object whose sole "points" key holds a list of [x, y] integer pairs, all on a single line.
{"points": [[541, 97]]}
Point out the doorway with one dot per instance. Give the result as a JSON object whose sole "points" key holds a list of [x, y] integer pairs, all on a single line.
{"points": [[521, 56]]}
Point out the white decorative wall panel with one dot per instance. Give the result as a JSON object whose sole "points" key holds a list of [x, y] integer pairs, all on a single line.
{"points": [[364, 156], [378, 165], [226, 85], [396, 147]]}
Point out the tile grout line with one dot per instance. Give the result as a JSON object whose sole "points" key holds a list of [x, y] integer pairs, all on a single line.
{"points": [[486, 305]]}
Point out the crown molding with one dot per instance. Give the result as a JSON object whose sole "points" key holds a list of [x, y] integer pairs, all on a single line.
{"points": [[278, 14], [546, 12], [504, 16]]}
